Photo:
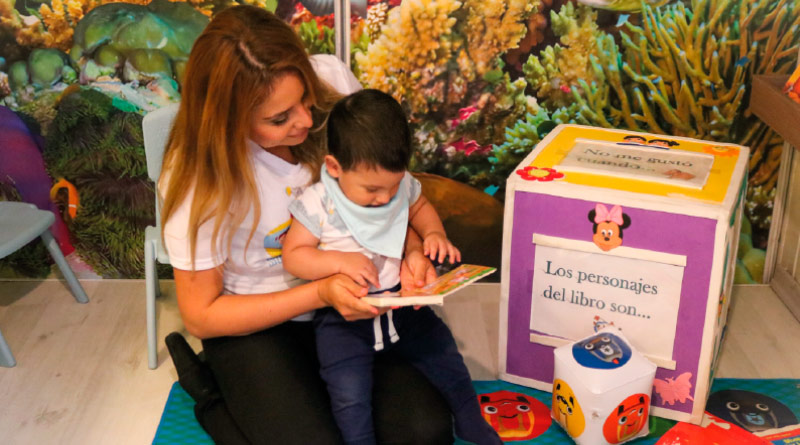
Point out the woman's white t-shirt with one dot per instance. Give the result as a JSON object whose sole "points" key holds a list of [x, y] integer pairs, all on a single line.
{"points": [[256, 267]]}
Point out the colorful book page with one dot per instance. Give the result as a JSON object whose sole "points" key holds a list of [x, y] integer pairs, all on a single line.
{"points": [[450, 282]]}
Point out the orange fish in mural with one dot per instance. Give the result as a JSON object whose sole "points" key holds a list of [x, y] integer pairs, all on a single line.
{"points": [[73, 199], [515, 416]]}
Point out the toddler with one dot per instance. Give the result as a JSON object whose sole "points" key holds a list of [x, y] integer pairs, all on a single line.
{"points": [[354, 221]]}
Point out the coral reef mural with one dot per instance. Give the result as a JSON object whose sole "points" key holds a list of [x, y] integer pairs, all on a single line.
{"points": [[482, 81], [682, 68], [81, 75]]}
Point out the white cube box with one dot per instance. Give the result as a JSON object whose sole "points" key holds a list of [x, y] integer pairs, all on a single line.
{"points": [[601, 389], [635, 230]]}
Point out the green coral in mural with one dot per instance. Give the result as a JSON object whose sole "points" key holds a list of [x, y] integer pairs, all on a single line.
{"points": [[431, 54], [460, 148], [98, 148], [750, 260], [557, 68], [43, 69], [519, 140], [671, 77], [40, 111], [685, 71], [506, 104], [317, 39], [320, 39], [137, 42]]}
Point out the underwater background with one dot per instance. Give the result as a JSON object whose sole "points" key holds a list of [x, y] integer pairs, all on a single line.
{"points": [[482, 81]]}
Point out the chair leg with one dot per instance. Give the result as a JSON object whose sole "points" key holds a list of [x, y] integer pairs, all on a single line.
{"points": [[156, 283], [6, 357], [55, 252], [151, 284]]}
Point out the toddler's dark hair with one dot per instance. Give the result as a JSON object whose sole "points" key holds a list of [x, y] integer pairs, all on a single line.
{"points": [[369, 127]]}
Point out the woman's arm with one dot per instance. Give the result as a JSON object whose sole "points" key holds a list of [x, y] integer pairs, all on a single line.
{"points": [[208, 313]]}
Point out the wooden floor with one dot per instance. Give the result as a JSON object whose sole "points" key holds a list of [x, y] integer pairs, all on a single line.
{"points": [[82, 374]]}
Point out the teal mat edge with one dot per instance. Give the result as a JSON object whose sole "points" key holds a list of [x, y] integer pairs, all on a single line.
{"points": [[178, 425]]}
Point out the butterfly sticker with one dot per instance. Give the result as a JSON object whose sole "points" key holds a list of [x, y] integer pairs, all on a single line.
{"points": [[672, 390]]}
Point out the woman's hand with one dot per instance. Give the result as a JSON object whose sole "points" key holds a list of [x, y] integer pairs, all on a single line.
{"points": [[344, 295]]}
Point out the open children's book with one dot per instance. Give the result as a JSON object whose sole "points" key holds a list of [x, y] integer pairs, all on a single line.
{"points": [[433, 293]]}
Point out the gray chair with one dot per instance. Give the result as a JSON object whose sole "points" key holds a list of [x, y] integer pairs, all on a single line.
{"points": [[156, 126], [21, 223]]}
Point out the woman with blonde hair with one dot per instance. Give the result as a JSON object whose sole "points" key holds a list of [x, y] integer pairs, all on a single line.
{"points": [[245, 140]]}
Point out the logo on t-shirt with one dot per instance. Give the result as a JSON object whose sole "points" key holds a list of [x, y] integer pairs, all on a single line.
{"points": [[273, 242]]}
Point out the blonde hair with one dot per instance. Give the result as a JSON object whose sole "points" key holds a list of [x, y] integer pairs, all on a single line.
{"points": [[232, 68]]}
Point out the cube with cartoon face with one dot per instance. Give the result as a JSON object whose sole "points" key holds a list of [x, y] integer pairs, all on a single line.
{"points": [[602, 389]]}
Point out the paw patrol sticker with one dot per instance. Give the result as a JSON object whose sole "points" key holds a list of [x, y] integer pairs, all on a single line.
{"points": [[515, 416], [628, 419], [566, 409], [750, 410], [602, 351]]}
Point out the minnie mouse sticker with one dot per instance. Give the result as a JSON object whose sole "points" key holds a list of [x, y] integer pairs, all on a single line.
{"points": [[608, 226]]}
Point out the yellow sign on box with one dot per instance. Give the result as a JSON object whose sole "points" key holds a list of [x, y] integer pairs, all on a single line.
{"points": [[654, 164]]}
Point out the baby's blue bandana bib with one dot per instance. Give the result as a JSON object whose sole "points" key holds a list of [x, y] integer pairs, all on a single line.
{"points": [[381, 230]]}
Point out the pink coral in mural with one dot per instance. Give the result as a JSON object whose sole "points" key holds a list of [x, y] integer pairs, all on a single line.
{"points": [[470, 147], [677, 389], [543, 174], [463, 114]]}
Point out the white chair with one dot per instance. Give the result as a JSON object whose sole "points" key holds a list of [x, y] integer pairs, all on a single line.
{"points": [[156, 126], [21, 223]]}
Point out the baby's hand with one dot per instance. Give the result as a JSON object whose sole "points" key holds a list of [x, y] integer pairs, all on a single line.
{"points": [[437, 244], [358, 267]]}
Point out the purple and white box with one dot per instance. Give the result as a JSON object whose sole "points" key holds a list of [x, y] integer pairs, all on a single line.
{"points": [[632, 230]]}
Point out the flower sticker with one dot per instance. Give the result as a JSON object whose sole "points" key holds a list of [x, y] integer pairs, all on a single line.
{"points": [[541, 174], [720, 150]]}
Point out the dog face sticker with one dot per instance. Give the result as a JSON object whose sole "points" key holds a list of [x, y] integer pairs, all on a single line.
{"points": [[602, 351], [515, 416], [608, 226], [566, 409], [750, 410], [628, 419]]}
